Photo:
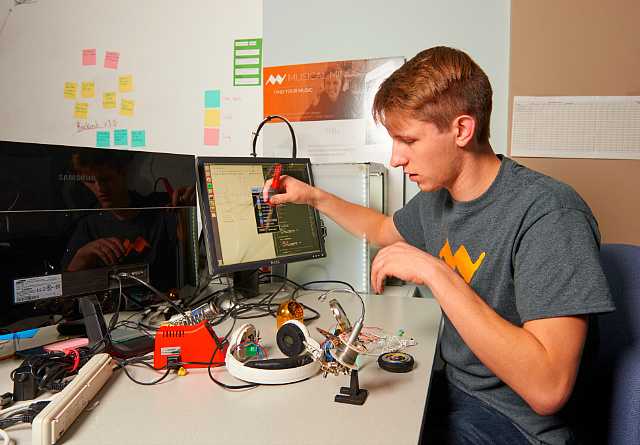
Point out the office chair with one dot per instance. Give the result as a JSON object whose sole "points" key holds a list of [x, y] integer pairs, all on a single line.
{"points": [[616, 383]]}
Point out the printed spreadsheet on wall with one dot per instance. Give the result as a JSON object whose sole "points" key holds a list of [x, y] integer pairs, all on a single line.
{"points": [[606, 127]]}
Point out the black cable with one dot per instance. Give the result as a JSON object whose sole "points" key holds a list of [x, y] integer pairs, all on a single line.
{"points": [[219, 383], [49, 370], [25, 415], [155, 291], [294, 149], [303, 286], [125, 363]]}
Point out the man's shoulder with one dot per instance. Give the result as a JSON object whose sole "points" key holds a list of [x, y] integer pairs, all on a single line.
{"points": [[539, 187]]}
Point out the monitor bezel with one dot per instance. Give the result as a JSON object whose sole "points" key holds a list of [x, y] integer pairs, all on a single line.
{"points": [[212, 260]]}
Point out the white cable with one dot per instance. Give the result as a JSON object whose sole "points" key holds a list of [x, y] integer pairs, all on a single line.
{"points": [[6, 440]]}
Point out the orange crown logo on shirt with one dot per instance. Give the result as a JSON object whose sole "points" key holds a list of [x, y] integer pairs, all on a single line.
{"points": [[461, 260], [138, 245]]}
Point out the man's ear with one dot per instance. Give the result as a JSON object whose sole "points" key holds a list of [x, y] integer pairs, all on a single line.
{"points": [[465, 127], [123, 172]]}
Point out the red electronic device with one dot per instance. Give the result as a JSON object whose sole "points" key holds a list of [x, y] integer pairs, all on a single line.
{"points": [[194, 344]]}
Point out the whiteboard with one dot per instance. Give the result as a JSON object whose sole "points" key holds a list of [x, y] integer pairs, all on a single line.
{"points": [[175, 52]]}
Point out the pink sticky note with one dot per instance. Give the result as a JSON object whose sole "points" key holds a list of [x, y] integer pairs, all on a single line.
{"points": [[88, 57], [212, 136], [111, 60]]}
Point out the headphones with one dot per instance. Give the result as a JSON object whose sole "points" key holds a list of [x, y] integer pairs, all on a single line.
{"points": [[294, 150], [291, 339]]}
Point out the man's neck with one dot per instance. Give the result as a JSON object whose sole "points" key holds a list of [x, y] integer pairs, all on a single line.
{"points": [[124, 211], [479, 170]]}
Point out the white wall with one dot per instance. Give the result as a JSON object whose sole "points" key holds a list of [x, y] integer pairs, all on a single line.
{"points": [[174, 49], [306, 31]]}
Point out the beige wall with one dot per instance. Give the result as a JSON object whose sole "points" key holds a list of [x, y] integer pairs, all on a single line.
{"points": [[583, 48]]}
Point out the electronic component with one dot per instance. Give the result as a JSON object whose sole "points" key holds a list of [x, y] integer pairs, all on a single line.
{"points": [[242, 233], [396, 362], [291, 337], [205, 312], [193, 346], [340, 316], [59, 414], [25, 386], [289, 310], [39, 245], [347, 351], [272, 371]]}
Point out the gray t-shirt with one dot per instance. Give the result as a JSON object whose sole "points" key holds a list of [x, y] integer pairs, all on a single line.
{"points": [[529, 247]]}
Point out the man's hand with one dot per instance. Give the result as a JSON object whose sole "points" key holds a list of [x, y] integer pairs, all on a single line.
{"points": [[185, 195], [402, 261], [109, 250], [289, 190]]}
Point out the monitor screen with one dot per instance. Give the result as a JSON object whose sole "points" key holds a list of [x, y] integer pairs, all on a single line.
{"points": [[243, 232], [72, 217]]}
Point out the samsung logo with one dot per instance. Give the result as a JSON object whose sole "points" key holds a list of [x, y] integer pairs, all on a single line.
{"points": [[83, 178]]}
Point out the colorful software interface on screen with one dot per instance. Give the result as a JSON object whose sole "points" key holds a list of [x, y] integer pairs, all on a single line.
{"points": [[245, 229]]}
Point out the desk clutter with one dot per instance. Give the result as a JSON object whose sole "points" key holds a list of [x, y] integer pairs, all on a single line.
{"points": [[184, 340]]}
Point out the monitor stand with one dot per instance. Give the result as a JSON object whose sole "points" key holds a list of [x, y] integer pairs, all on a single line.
{"points": [[246, 283], [97, 332]]}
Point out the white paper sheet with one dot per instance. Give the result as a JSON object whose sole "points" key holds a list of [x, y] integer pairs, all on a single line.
{"points": [[605, 127]]}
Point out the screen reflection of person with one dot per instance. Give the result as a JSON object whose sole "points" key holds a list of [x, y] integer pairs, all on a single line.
{"points": [[132, 229], [334, 101]]}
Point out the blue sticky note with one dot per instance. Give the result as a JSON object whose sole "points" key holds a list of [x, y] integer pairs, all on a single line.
{"points": [[103, 139], [120, 137], [138, 139], [212, 99]]}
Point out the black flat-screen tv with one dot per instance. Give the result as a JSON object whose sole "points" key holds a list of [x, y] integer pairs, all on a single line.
{"points": [[242, 231], [74, 218]]}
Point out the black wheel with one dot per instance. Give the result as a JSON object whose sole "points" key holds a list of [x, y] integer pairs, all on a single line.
{"points": [[396, 362]]}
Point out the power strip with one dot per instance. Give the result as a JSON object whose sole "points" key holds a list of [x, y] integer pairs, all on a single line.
{"points": [[65, 407]]}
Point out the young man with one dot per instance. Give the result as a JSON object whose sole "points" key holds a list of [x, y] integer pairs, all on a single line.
{"points": [[511, 255]]}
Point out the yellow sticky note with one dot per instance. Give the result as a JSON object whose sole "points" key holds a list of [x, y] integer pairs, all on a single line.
{"points": [[88, 89], [81, 110], [70, 90], [126, 107], [211, 118], [125, 84], [109, 100]]}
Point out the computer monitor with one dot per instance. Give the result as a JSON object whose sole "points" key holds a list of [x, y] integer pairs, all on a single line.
{"points": [[64, 210], [242, 232]]}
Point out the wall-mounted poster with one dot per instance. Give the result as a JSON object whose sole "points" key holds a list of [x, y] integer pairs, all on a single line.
{"points": [[329, 105]]}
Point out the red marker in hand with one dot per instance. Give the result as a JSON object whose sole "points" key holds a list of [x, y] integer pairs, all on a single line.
{"points": [[274, 188], [170, 192]]}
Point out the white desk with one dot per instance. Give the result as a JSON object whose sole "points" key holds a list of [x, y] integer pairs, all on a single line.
{"points": [[194, 410]]}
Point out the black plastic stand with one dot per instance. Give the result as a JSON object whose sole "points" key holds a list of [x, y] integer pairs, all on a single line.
{"points": [[246, 283], [352, 394], [97, 332]]}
